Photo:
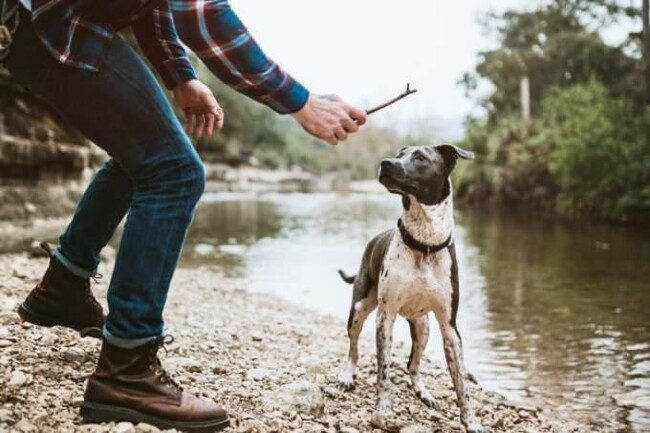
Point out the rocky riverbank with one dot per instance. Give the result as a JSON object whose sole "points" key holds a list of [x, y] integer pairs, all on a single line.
{"points": [[272, 364]]}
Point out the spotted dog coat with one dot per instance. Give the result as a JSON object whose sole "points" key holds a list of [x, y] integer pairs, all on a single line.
{"points": [[411, 273]]}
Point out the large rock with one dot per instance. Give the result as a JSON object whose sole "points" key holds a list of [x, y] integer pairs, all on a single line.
{"points": [[301, 396]]}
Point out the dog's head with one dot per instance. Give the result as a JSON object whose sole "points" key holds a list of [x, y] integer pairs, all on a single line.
{"points": [[421, 171]]}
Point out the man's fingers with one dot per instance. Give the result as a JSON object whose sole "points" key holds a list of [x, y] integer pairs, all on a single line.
{"points": [[340, 133], [350, 125], [331, 139], [200, 124], [189, 122], [358, 115], [218, 112], [209, 123]]}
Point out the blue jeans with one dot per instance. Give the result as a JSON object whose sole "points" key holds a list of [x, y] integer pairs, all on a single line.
{"points": [[154, 174]]}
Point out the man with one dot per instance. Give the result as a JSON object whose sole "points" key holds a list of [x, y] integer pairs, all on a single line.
{"points": [[67, 51]]}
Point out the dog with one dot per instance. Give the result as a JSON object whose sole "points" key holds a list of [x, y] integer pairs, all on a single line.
{"points": [[411, 271]]}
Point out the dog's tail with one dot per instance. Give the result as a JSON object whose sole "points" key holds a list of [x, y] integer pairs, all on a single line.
{"points": [[347, 278]]}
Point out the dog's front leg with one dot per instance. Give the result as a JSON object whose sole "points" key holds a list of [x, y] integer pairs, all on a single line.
{"points": [[385, 322], [454, 355], [358, 314], [420, 336]]}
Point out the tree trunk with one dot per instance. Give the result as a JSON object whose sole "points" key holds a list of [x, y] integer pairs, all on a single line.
{"points": [[645, 10]]}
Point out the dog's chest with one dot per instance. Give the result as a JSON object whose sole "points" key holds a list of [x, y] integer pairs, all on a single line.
{"points": [[412, 284]]}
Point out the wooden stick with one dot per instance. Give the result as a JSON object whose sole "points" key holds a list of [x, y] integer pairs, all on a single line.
{"points": [[408, 91]]}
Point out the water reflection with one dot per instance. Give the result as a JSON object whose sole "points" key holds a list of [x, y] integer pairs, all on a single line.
{"points": [[574, 303]]}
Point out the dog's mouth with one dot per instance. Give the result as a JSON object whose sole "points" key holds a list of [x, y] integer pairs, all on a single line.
{"points": [[392, 182]]}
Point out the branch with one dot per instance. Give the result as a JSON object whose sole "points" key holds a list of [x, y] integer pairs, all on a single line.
{"points": [[408, 91]]}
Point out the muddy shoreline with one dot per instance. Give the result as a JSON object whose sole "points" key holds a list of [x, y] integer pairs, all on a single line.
{"points": [[273, 364]]}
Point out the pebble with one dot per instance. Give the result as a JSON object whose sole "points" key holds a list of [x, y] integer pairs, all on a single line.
{"points": [[176, 363], [330, 391], [301, 396], [124, 427], [9, 318], [5, 415], [414, 428], [18, 379], [25, 426], [76, 355], [5, 343], [259, 374], [49, 340], [382, 422]]}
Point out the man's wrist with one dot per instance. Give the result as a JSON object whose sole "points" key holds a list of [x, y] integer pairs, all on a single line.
{"points": [[176, 71], [290, 99]]}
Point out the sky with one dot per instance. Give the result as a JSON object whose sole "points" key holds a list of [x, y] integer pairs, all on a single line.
{"points": [[367, 50]]}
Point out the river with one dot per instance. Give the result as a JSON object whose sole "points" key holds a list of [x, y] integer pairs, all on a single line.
{"points": [[550, 314]]}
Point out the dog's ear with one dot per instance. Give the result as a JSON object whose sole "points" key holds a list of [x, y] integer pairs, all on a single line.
{"points": [[451, 153]]}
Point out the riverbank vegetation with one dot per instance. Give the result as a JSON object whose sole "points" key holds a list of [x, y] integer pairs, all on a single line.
{"points": [[568, 125]]}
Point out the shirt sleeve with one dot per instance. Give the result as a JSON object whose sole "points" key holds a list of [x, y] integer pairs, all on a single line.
{"points": [[217, 36], [157, 37]]}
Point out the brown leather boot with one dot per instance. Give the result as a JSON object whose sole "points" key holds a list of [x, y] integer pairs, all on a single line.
{"points": [[131, 385], [64, 299]]}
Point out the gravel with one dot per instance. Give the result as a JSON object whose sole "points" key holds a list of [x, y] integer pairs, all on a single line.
{"points": [[271, 363]]}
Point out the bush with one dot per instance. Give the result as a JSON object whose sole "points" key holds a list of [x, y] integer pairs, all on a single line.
{"points": [[587, 155], [599, 151]]}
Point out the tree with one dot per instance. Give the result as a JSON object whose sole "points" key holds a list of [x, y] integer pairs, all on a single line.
{"points": [[555, 45]]}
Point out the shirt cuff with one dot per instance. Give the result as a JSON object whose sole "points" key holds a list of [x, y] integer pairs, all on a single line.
{"points": [[289, 98], [176, 71]]}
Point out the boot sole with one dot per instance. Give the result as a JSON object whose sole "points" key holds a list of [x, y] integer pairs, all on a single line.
{"points": [[29, 315], [100, 413]]}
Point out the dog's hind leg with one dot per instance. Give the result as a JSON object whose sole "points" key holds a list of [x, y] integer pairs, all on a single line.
{"points": [[420, 336], [359, 312], [454, 354]]}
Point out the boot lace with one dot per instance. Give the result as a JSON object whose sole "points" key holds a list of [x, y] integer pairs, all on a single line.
{"points": [[89, 294], [159, 371]]}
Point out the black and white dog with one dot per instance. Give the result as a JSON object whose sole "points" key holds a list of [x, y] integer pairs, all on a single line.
{"points": [[412, 271]]}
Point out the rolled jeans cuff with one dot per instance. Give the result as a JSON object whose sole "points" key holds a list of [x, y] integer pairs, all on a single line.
{"points": [[76, 270], [127, 343]]}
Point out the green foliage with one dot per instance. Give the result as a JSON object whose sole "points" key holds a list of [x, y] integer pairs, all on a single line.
{"points": [[585, 152], [586, 155], [551, 48], [599, 151]]}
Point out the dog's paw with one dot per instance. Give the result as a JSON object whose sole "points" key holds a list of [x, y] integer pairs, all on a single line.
{"points": [[384, 405], [475, 427], [345, 381], [346, 377], [428, 400]]}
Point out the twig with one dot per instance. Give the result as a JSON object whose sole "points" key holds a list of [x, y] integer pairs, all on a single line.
{"points": [[408, 91]]}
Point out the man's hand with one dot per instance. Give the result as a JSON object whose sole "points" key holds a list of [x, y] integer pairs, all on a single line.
{"points": [[202, 111], [329, 118]]}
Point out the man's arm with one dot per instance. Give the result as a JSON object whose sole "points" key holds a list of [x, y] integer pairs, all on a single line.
{"points": [[217, 35], [157, 37]]}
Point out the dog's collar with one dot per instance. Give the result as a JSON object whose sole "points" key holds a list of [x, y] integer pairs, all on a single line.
{"points": [[416, 245]]}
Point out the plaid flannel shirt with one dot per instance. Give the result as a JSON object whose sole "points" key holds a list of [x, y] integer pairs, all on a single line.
{"points": [[76, 37], [213, 31]]}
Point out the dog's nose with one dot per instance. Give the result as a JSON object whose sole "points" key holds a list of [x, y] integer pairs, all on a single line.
{"points": [[387, 163]]}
